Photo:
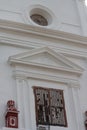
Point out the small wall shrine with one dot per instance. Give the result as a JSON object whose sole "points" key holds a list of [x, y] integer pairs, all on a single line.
{"points": [[11, 117], [50, 107]]}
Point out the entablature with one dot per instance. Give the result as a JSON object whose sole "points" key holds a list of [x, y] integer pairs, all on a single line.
{"points": [[28, 36]]}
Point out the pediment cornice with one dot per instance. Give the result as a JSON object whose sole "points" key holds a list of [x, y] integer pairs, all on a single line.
{"points": [[46, 58]]}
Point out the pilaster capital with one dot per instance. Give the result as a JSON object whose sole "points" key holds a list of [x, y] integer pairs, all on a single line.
{"points": [[74, 84]]}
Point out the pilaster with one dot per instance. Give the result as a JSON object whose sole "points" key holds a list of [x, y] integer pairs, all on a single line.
{"points": [[82, 15], [19, 85], [23, 102], [77, 109]]}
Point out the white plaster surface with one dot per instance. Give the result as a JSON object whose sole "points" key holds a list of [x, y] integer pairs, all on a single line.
{"points": [[66, 13], [15, 80]]}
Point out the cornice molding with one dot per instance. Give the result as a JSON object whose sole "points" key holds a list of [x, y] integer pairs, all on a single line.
{"points": [[75, 72], [11, 32], [57, 61], [41, 31], [57, 69], [23, 75]]}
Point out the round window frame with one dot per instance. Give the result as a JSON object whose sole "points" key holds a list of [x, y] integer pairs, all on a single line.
{"points": [[43, 13], [53, 21]]}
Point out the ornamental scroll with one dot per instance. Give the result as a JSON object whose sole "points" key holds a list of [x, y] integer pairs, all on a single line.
{"points": [[50, 107]]}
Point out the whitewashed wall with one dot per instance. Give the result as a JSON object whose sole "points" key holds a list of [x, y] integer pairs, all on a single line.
{"points": [[8, 90], [70, 16], [7, 82], [65, 11]]}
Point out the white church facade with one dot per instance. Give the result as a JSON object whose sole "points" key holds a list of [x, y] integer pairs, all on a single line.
{"points": [[43, 65]]}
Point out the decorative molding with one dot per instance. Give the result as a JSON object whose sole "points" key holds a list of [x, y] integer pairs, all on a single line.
{"points": [[57, 62], [59, 79], [41, 31], [11, 35], [42, 10], [75, 84], [78, 114], [10, 11], [70, 24], [29, 66], [58, 69]]}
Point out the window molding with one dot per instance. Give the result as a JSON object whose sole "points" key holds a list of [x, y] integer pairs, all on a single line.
{"points": [[30, 70]]}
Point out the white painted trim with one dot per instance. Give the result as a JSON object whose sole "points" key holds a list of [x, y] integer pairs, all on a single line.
{"points": [[25, 70], [77, 109], [60, 79], [66, 66], [65, 73], [11, 32], [77, 72], [70, 24], [45, 11], [19, 102], [23, 28], [10, 11]]}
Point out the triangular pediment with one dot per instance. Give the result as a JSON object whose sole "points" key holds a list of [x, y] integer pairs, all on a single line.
{"points": [[45, 57]]}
